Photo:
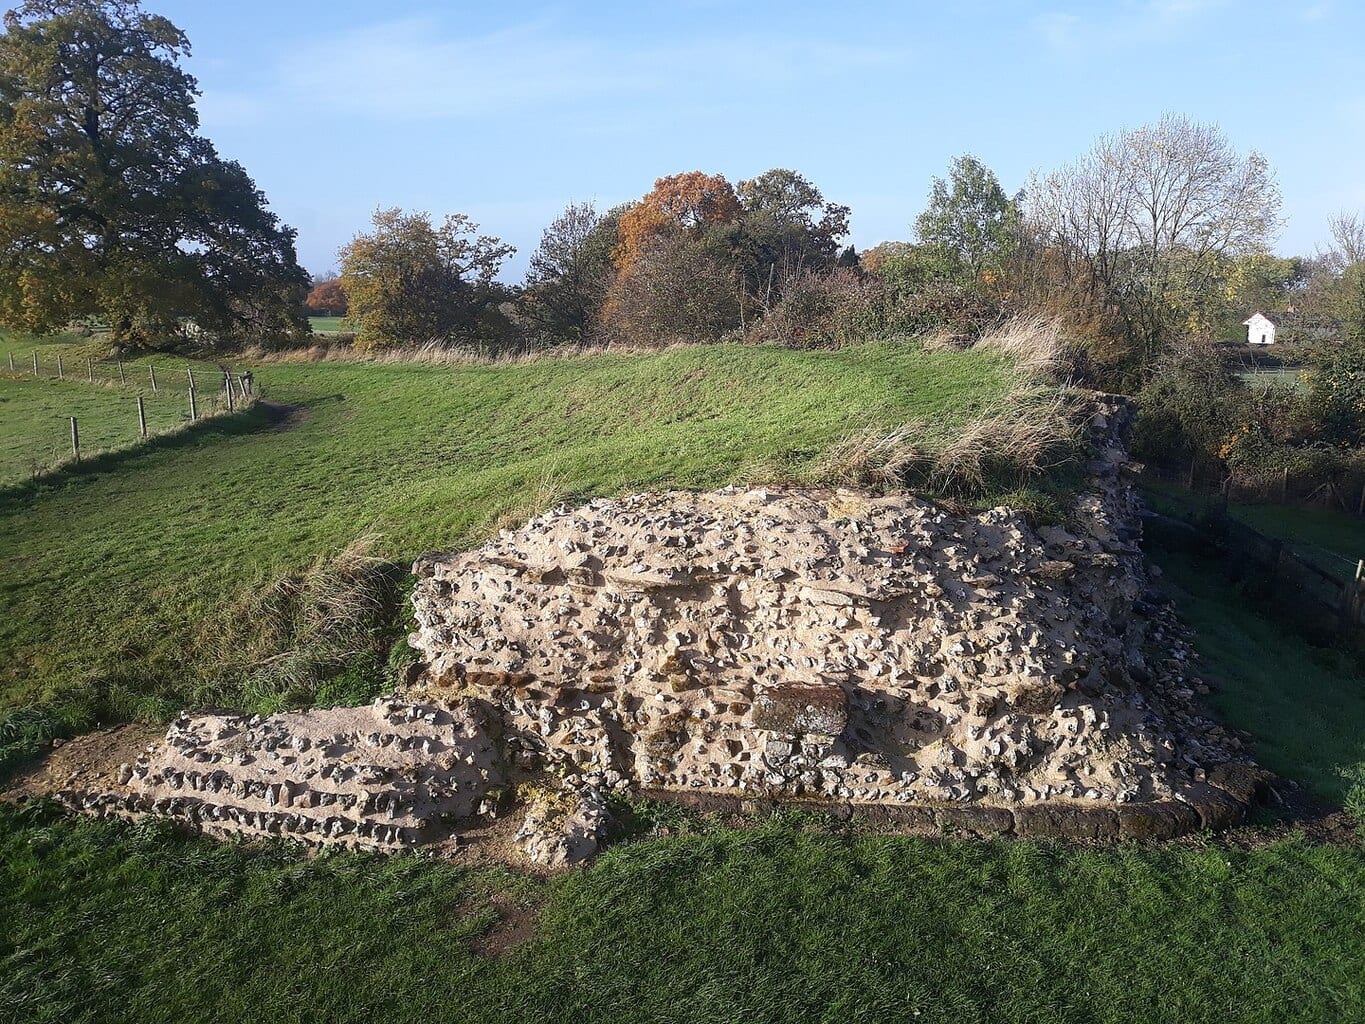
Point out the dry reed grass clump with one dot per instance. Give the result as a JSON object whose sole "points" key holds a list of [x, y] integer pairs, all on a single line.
{"points": [[1036, 428], [298, 630], [435, 353], [1033, 340]]}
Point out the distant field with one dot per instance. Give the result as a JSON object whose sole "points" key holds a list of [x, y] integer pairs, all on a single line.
{"points": [[328, 324], [35, 426]]}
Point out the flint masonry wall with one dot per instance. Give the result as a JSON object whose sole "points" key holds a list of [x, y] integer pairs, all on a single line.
{"points": [[877, 652]]}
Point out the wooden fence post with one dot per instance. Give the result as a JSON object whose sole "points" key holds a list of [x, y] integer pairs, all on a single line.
{"points": [[231, 406], [189, 372], [89, 370], [153, 372], [75, 440], [35, 362], [11, 362], [120, 372], [60, 375], [194, 413], [141, 417]]}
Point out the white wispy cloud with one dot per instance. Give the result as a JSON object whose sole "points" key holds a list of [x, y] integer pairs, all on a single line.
{"points": [[1102, 27], [422, 69]]}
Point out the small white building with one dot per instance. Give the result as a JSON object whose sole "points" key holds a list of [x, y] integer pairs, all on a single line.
{"points": [[1273, 328]]}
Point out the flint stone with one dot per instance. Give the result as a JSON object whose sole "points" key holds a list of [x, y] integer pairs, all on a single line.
{"points": [[796, 708]]}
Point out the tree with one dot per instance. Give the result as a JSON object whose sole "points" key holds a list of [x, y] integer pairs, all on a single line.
{"points": [[410, 282], [1346, 260], [1148, 220], [571, 271], [111, 203], [673, 289], [785, 229], [688, 203], [327, 298], [970, 224]]}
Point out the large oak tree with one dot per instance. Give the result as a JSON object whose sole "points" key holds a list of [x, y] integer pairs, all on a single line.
{"points": [[112, 204]]}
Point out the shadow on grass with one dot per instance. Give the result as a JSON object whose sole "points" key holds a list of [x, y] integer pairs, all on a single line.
{"points": [[256, 418]]}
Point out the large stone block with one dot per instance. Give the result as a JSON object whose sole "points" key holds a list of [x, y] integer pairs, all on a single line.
{"points": [[800, 708]]}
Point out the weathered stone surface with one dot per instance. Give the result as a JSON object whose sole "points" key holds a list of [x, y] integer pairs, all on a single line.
{"points": [[1217, 809], [975, 819], [1066, 821], [386, 776], [1246, 783], [1164, 819], [799, 708]]}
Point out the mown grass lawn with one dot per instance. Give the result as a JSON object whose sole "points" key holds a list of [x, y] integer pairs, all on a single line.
{"points": [[781, 922]]}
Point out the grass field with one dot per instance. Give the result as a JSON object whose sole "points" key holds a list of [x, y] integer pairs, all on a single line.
{"points": [[328, 324], [125, 582]]}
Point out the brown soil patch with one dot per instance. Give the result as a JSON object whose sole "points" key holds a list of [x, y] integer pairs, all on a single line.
{"points": [[515, 925], [91, 759]]}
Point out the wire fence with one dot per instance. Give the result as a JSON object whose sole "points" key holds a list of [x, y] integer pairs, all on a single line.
{"points": [[1344, 491], [204, 391]]}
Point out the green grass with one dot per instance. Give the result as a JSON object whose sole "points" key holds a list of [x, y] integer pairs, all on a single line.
{"points": [[1303, 706], [35, 428], [122, 578], [329, 324], [781, 922], [128, 578]]}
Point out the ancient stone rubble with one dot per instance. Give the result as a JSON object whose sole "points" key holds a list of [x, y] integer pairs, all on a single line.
{"points": [[784, 643], [387, 776]]}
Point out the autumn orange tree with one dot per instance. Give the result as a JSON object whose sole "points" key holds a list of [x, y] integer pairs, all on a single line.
{"points": [[688, 202], [327, 298]]}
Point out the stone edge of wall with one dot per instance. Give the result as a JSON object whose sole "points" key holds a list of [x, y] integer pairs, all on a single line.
{"points": [[1213, 806]]}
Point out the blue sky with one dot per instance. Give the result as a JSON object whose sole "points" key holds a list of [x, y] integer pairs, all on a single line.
{"points": [[507, 111]]}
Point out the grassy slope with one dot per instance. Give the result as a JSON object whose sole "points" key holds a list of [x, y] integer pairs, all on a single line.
{"points": [[138, 563], [1303, 706], [778, 923]]}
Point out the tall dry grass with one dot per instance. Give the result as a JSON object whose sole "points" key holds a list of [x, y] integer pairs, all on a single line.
{"points": [[1037, 428], [441, 354], [290, 636]]}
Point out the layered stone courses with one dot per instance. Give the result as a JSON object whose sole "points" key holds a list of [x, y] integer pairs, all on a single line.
{"points": [[816, 644], [388, 776]]}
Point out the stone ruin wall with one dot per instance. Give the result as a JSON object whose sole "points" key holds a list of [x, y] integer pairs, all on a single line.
{"points": [[871, 655], [876, 653]]}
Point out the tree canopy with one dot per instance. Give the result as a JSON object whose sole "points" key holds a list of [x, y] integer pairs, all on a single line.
{"points": [[409, 281], [970, 224], [112, 204]]}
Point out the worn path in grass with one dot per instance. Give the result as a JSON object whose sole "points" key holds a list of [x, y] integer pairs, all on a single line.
{"points": [[129, 576]]}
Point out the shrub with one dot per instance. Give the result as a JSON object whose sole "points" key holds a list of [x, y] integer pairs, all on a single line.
{"points": [[673, 289]]}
